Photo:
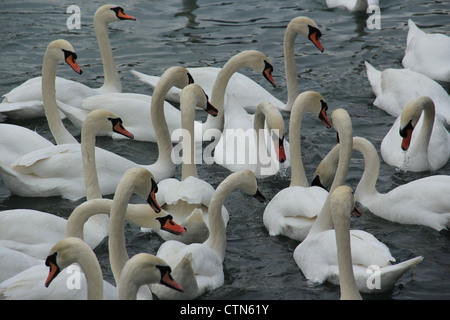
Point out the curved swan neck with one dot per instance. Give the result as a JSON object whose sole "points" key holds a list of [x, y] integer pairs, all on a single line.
{"points": [[220, 85], [163, 138], [298, 175], [81, 214], [367, 184], [341, 206], [187, 107], [88, 138], [290, 67], [261, 113], [118, 255], [343, 126], [59, 132], [111, 80], [424, 137], [217, 236]]}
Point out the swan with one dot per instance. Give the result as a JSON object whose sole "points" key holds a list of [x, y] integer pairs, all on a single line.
{"points": [[394, 88], [17, 140], [27, 284], [138, 103], [342, 203], [421, 134], [181, 197], [198, 267], [427, 53], [420, 202], [26, 100], [317, 253], [44, 172], [352, 5], [249, 93], [141, 269], [284, 214], [242, 144]]}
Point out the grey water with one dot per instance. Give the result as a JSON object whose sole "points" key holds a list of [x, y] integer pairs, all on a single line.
{"points": [[207, 33]]}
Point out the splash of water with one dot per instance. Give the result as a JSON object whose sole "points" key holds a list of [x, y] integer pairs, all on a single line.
{"points": [[405, 164]]}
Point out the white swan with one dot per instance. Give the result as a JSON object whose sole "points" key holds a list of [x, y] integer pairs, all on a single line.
{"points": [[317, 253], [28, 284], [141, 269], [352, 5], [248, 93], [181, 197], [285, 214], [60, 170], [138, 103], [198, 267], [17, 140], [342, 203], [243, 146], [421, 202], [26, 100], [427, 53], [394, 88], [421, 134]]}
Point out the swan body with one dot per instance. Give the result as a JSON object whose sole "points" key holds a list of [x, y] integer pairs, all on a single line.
{"points": [[181, 197], [44, 172], [17, 140], [425, 139], [427, 53], [421, 202], [242, 144], [366, 250], [284, 214], [26, 101], [199, 266], [352, 5], [247, 92], [394, 88]]}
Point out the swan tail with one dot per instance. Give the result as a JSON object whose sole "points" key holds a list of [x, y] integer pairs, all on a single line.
{"points": [[374, 77], [413, 31], [388, 276]]}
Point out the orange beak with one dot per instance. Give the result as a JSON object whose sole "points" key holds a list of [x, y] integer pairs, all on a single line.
{"points": [[167, 280], [167, 224], [406, 141], [119, 128], [323, 116], [73, 63], [211, 109], [123, 16], [151, 200], [281, 154]]}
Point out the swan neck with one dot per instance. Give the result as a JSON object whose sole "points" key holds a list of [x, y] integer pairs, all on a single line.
{"points": [[88, 138], [188, 167], [258, 126], [117, 251], [111, 80], [59, 132], [290, 67], [367, 184], [424, 136], [163, 138], [92, 271], [298, 174]]}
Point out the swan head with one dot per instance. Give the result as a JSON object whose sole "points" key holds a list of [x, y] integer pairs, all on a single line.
{"points": [[62, 51], [246, 182], [257, 61], [314, 103], [167, 224], [110, 13], [194, 95], [308, 28], [64, 253], [144, 268], [410, 116], [105, 121], [275, 124]]}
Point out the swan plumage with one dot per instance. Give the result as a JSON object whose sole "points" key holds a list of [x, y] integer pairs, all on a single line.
{"points": [[418, 139], [427, 53]]}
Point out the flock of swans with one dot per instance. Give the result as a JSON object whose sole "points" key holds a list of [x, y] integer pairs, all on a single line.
{"points": [[188, 213]]}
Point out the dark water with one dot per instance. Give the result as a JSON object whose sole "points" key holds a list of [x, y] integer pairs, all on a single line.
{"points": [[208, 33]]}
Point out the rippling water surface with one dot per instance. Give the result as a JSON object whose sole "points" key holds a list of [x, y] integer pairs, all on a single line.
{"points": [[207, 33]]}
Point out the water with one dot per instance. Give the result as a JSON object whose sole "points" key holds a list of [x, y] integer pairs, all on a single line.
{"points": [[208, 33]]}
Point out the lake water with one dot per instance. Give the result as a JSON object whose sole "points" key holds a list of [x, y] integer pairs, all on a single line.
{"points": [[207, 33]]}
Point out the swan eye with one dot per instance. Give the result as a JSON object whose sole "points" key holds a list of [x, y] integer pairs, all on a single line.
{"points": [[405, 129], [69, 54], [121, 15]]}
